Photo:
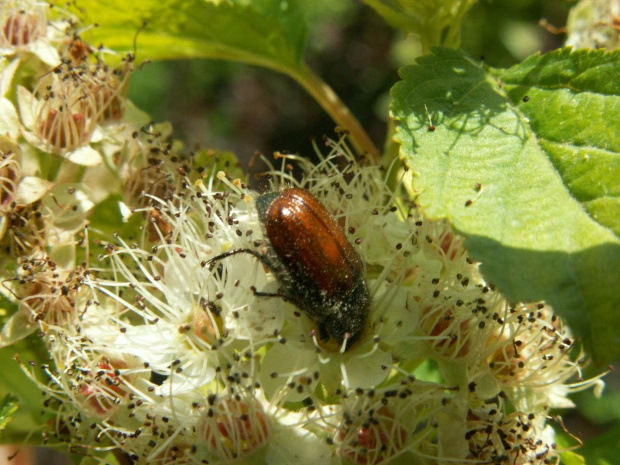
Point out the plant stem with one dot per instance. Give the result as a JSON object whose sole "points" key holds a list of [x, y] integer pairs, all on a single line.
{"points": [[338, 111]]}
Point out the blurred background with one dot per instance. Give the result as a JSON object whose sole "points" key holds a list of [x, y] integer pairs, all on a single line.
{"points": [[229, 106]]}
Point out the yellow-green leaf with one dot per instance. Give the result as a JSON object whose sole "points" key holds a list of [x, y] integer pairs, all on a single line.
{"points": [[265, 32]]}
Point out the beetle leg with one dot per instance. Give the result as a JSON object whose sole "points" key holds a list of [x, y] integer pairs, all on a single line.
{"points": [[211, 263], [261, 258], [270, 294]]}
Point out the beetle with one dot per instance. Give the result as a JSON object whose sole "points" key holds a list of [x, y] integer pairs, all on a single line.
{"points": [[316, 267]]}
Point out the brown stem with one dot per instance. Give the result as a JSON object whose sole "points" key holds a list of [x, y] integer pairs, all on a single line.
{"points": [[338, 111]]}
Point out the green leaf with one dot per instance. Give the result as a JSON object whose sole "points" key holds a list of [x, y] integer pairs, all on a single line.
{"points": [[437, 22], [571, 458], [8, 406], [209, 162], [400, 15], [16, 386], [603, 449], [106, 219], [491, 166], [265, 32], [561, 87]]}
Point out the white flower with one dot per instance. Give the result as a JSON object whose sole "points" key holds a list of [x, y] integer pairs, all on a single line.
{"points": [[24, 28], [592, 24], [161, 347], [290, 444], [62, 112], [378, 425], [35, 214], [529, 358], [58, 120]]}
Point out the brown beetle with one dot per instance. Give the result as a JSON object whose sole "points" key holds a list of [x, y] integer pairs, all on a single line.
{"points": [[316, 267]]}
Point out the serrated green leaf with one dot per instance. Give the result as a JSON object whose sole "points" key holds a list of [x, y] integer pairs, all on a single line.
{"points": [[265, 32], [573, 102], [8, 406], [485, 168]]}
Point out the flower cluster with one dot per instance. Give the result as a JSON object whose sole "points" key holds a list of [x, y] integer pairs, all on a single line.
{"points": [[165, 349], [168, 356]]}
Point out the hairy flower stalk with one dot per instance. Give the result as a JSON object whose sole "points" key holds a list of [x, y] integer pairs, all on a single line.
{"points": [[164, 349]]}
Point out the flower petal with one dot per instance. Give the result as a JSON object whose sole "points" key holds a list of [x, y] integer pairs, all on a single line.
{"points": [[367, 371], [7, 77], [25, 100], [284, 364], [31, 189], [295, 445], [85, 156], [47, 53], [9, 122], [17, 327]]}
